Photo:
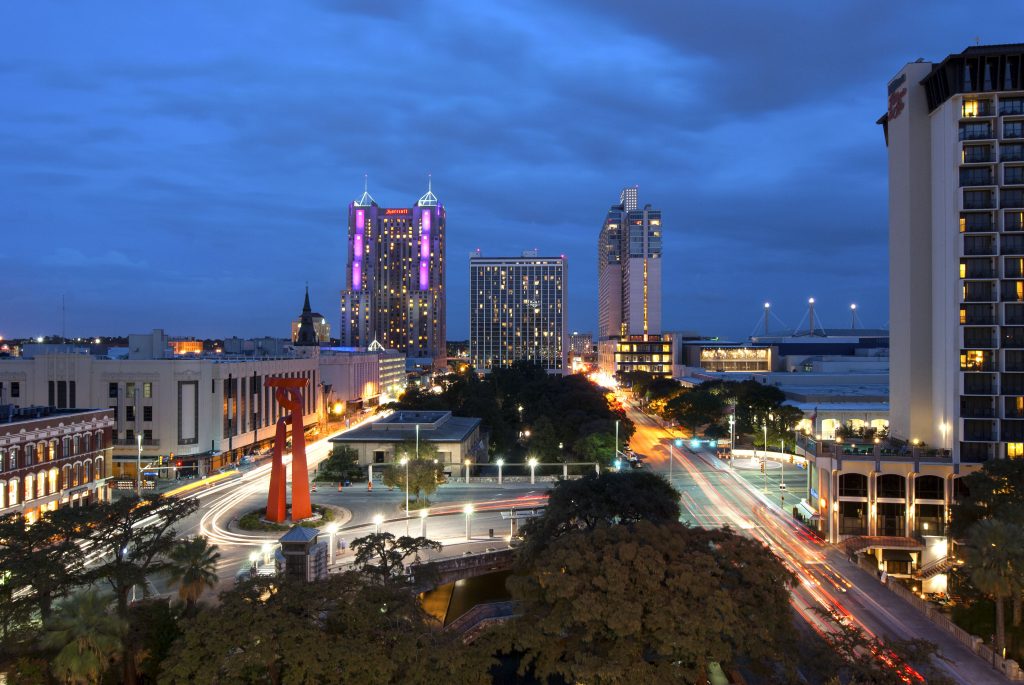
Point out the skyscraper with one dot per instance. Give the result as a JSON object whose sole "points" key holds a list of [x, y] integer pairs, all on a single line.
{"points": [[517, 311], [629, 281], [395, 280], [955, 135]]}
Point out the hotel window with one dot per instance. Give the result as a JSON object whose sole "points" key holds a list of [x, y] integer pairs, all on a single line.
{"points": [[147, 413], [15, 389], [1011, 153], [1011, 105], [12, 493], [1012, 198], [976, 176], [975, 222], [974, 154], [1013, 175], [977, 108], [974, 360], [129, 413], [975, 131], [112, 390], [147, 389], [1013, 129], [1014, 450]]}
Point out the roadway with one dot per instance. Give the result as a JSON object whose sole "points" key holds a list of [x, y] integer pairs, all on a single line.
{"points": [[712, 494]]}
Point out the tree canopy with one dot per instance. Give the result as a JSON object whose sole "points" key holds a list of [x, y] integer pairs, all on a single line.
{"points": [[612, 498], [646, 603], [555, 409], [382, 555]]}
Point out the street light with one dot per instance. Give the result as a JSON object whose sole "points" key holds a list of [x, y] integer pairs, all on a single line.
{"points": [[467, 463], [423, 522], [266, 549], [500, 463], [138, 469], [616, 439], [468, 511], [618, 464], [532, 461], [405, 462], [332, 528], [377, 520], [254, 560], [671, 455]]}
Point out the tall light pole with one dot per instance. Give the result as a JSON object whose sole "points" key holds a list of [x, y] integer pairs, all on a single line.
{"points": [[332, 528], [466, 463], [417, 441], [138, 469], [423, 522], [266, 549], [764, 457], [377, 520], [671, 456], [405, 462], [468, 511], [732, 434], [532, 461], [616, 455], [500, 462]]}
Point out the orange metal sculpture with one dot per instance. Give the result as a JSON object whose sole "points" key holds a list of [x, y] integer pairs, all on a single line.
{"points": [[289, 394]]}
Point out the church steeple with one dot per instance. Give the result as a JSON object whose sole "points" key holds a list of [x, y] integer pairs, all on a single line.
{"points": [[306, 335]]}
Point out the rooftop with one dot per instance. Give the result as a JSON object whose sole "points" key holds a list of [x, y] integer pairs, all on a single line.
{"points": [[433, 426]]}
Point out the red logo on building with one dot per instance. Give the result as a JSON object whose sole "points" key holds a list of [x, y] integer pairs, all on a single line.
{"points": [[401, 210], [896, 103]]}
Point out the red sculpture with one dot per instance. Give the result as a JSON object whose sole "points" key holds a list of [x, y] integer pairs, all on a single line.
{"points": [[289, 394]]}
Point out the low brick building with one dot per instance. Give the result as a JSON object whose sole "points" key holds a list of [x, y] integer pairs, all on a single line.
{"points": [[52, 458]]}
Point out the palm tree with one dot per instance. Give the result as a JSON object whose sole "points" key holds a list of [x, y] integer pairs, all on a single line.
{"points": [[87, 635], [994, 560], [193, 566]]}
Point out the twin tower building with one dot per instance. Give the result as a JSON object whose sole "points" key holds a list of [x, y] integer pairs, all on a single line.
{"points": [[395, 291]]}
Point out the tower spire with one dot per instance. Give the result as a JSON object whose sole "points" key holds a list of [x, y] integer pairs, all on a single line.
{"points": [[428, 200], [366, 200]]}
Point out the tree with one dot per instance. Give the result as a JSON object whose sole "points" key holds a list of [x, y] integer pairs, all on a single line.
{"points": [[342, 465], [994, 491], [284, 632], [193, 567], [612, 498], [696, 407], [646, 603], [383, 556], [424, 477], [994, 556], [42, 560], [134, 537], [597, 447], [86, 636]]}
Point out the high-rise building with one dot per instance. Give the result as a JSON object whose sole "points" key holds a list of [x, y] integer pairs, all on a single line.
{"points": [[955, 134], [395, 280], [517, 311], [629, 277]]}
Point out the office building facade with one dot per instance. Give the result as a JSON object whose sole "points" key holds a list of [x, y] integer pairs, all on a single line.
{"points": [[518, 311], [395, 279], [629, 277]]}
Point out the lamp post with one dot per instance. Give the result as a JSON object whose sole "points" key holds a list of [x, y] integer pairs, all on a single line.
{"points": [[732, 434], [377, 520], [405, 462], [532, 461], [423, 522], [466, 463], [254, 561], [500, 462], [618, 464], [616, 455], [764, 457], [468, 511], [266, 549], [417, 441], [332, 528], [671, 456], [138, 469]]}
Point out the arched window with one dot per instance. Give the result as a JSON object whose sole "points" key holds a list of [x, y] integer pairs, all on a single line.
{"points": [[892, 485], [53, 451], [3, 494], [53, 473], [30, 488], [74, 444], [30, 454], [853, 485], [87, 471], [3, 459], [65, 446], [65, 476], [99, 468], [928, 487], [88, 439], [13, 495], [12, 459], [41, 484], [99, 440], [76, 477]]}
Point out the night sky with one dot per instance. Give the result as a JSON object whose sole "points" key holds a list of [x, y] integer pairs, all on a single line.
{"points": [[188, 165]]}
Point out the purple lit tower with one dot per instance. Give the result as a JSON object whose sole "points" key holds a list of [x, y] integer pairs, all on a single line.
{"points": [[395, 279]]}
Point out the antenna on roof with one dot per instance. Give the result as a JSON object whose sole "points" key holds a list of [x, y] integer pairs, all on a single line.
{"points": [[366, 182]]}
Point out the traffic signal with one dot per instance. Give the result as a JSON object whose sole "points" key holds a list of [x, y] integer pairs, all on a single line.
{"points": [[762, 466], [180, 463]]}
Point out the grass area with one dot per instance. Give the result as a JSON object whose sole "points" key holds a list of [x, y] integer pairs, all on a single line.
{"points": [[254, 520], [979, 618]]}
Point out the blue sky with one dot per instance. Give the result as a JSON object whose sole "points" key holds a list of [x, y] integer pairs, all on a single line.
{"points": [[158, 160]]}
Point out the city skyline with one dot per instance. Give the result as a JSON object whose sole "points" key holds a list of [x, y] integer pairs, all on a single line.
{"points": [[162, 175]]}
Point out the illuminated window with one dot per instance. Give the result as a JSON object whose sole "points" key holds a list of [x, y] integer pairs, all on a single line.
{"points": [[963, 270], [963, 316], [1015, 450], [973, 360]]}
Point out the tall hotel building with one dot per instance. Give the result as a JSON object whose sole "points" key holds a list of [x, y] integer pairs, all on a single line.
{"points": [[518, 311], [395, 281], [629, 290], [955, 133]]}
